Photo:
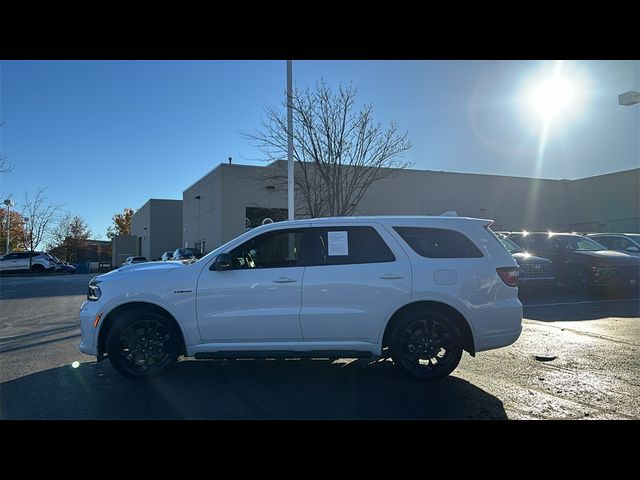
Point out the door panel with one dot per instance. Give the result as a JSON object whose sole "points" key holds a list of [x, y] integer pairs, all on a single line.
{"points": [[259, 298], [351, 301]]}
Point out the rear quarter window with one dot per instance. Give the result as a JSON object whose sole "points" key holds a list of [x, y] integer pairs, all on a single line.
{"points": [[438, 242]]}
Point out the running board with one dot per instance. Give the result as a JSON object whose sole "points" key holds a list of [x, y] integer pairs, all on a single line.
{"points": [[284, 354]]}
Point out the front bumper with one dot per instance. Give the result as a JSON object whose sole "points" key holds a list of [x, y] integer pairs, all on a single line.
{"points": [[88, 312]]}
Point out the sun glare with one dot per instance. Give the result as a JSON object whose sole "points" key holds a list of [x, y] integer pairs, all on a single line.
{"points": [[552, 96]]}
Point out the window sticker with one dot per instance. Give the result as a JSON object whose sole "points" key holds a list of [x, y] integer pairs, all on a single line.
{"points": [[338, 243]]}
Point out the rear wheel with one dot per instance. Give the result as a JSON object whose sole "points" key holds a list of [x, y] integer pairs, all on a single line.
{"points": [[143, 344], [37, 268], [426, 345]]}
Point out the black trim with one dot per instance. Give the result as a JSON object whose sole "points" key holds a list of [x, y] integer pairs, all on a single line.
{"points": [[284, 354]]}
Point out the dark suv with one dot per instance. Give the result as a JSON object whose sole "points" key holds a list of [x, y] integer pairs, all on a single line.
{"points": [[580, 261], [532, 270]]}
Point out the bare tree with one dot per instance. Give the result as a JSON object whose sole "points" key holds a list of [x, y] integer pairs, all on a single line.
{"points": [[38, 216], [5, 166], [339, 151]]}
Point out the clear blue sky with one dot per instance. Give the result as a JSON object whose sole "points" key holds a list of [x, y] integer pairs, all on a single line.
{"points": [[105, 135]]}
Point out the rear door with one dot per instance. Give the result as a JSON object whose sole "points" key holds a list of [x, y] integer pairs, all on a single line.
{"points": [[356, 276]]}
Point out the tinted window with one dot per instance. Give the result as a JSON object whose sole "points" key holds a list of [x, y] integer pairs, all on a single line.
{"points": [[11, 256], [438, 242], [347, 245], [270, 250], [608, 242]]}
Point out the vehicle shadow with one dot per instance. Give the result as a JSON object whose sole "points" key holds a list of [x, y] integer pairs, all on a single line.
{"points": [[244, 389], [561, 304]]}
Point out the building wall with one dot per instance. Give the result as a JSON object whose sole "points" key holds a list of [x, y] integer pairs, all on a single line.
{"points": [[123, 246], [163, 222], [603, 203], [140, 220], [165, 232]]}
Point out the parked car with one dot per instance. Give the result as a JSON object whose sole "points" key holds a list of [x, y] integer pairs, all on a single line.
{"points": [[582, 262], [417, 289], [168, 255], [186, 254], [41, 262], [533, 271], [131, 260], [67, 268], [628, 243]]}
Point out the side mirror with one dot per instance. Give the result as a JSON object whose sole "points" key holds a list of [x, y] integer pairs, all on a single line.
{"points": [[633, 249], [222, 262]]}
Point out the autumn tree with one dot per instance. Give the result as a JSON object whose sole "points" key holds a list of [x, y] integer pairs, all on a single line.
{"points": [[16, 230], [69, 237], [121, 224], [339, 150]]}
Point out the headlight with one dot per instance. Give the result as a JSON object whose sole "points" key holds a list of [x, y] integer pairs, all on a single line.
{"points": [[94, 292]]}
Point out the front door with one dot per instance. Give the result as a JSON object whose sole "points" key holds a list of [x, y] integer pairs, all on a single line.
{"points": [[258, 298]]}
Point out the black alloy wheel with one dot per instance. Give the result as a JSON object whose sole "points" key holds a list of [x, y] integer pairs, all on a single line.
{"points": [[426, 345], [143, 347]]}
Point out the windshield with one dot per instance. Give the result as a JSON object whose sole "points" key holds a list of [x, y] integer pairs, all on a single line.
{"points": [[510, 245], [579, 243]]}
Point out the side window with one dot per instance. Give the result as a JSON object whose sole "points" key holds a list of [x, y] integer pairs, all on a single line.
{"points": [[606, 241], [11, 256], [620, 243], [438, 242], [25, 255], [277, 249], [347, 245]]}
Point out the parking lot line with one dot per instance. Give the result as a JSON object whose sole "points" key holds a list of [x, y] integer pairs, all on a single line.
{"points": [[578, 303]]}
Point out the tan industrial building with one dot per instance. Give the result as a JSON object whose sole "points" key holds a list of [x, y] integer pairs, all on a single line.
{"points": [[158, 227], [231, 198]]}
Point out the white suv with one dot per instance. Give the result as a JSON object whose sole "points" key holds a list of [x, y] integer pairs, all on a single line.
{"points": [[417, 289], [18, 261]]}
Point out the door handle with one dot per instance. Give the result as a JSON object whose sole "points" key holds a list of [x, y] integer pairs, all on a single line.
{"points": [[390, 276], [284, 279]]}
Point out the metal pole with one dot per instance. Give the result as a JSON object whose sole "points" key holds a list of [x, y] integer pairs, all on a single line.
{"points": [[8, 227], [290, 191]]}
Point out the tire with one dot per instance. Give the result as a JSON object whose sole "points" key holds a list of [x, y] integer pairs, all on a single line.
{"points": [[37, 268], [580, 281], [426, 344], [143, 344]]}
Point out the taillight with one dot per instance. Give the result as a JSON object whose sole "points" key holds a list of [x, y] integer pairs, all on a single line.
{"points": [[509, 275]]}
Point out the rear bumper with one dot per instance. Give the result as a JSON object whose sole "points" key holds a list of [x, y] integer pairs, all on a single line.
{"points": [[536, 281], [489, 342]]}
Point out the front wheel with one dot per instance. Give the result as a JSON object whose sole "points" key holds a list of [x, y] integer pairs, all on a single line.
{"points": [[426, 345], [580, 281], [142, 344]]}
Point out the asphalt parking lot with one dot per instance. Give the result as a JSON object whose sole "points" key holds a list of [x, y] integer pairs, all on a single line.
{"points": [[591, 344]]}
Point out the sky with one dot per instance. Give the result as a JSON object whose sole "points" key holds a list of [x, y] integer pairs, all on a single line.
{"points": [[105, 135]]}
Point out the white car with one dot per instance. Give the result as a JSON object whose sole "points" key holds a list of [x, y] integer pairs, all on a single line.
{"points": [[628, 243], [417, 289], [19, 261]]}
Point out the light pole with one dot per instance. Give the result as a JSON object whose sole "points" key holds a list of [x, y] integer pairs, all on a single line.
{"points": [[629, 98], [9, 203], [290, 192]]}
